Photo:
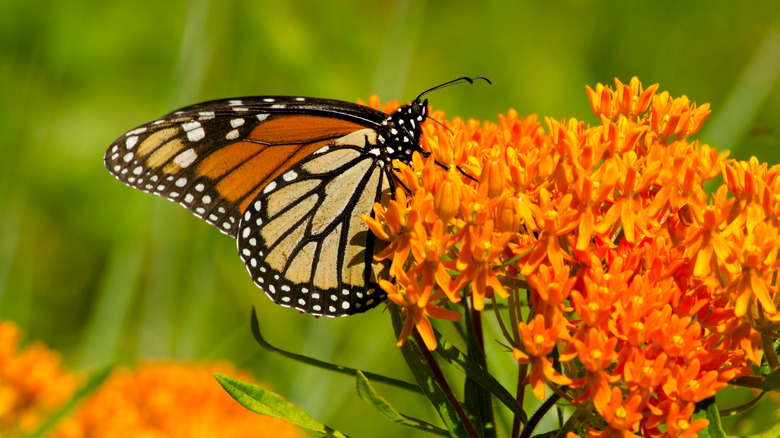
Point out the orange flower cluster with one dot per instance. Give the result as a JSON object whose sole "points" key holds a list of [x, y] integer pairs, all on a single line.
{"points": [[598, 241], [154, 400], [168, 399], [33, 383]]}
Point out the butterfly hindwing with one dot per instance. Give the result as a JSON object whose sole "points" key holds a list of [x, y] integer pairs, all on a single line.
{"points": [[302, 237]]}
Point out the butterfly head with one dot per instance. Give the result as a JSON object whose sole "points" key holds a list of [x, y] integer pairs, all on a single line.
{"points": [[401, 130]]}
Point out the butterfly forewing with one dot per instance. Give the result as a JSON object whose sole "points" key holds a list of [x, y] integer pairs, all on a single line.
{"points": [[214, 158]]}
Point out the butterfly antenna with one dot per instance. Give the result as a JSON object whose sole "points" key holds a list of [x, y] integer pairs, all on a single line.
{"points": [[444, 85], [440, 124], [453, 82]]}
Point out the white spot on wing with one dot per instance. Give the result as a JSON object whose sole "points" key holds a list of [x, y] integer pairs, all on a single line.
{"points": [[185, 158], [190, 125], [289, 176], [236, 122], [131, 141], [196, 134], [270, 187], [232, 135]]}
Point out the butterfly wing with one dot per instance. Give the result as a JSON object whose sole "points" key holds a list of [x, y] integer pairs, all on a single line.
{"points": [[214, 158], [302, 237]]}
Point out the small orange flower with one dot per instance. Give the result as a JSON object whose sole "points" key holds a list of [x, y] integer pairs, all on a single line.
{"points": [[677, 117], [558, 219], [395, 225], [755, 252], [538, 342], [621, 416], [479, 252], [429, 249], [597, 353], [630, 100], [691, 384], [678, 422], [406, 294]]}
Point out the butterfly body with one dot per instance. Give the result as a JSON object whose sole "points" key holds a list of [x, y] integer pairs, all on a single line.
{"points": [[288, 177]]}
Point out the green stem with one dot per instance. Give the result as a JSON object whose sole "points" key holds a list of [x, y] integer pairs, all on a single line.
{"points": [[539, 414], [438, 376]]}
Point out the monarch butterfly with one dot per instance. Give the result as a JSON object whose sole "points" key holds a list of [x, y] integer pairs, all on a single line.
{"points": [[288, 177]]}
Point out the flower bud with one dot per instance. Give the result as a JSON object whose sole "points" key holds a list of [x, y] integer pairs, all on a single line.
{"points": [[508, 217], [446, 201], [494, 176]]}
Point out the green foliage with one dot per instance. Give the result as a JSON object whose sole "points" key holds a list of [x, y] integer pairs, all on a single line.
{"points": [[265, 402]]}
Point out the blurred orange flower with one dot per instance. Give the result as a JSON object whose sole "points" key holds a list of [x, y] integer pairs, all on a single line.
{"points": [[168, 399], [33, 382]]}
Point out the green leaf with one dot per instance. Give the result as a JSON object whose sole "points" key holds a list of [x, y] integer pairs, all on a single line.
{"points": [[709, 410], [325, 365], [265, 402], [477, 399], [774, 432], [772, 381], [93, 382], [367, 393], [473, 371]]}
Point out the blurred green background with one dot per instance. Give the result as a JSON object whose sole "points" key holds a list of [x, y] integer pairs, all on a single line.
{"points": [[104, 273]]}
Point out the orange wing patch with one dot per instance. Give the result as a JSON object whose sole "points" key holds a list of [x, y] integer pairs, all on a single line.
{"points": [[245, 167], [227, 158], [298, 128]]}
